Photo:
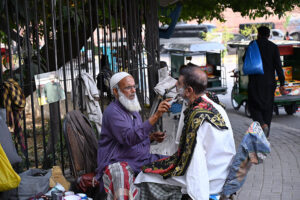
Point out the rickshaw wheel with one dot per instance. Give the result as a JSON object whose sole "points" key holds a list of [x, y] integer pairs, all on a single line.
{"points": [[247, 112], [290, 109], [234, 103]]}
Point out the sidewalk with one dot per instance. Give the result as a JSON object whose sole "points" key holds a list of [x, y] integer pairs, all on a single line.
{"points": [[278, 178]]}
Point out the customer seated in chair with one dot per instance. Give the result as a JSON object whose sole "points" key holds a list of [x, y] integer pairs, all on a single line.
{"points": [[124, 143], [201, 163]]}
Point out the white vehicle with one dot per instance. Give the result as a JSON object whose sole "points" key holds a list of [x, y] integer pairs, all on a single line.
{"points": [[276, 34]]}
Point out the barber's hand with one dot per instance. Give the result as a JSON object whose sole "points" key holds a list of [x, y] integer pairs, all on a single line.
{"points": [[163, 107], [157, 136], [282, 90]]}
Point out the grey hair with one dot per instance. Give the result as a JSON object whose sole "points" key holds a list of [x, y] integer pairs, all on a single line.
{"points": [[116, 86], [194, 77]]}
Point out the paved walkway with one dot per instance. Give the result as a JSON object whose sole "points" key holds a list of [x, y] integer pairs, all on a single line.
{"points": [[278, 178]]}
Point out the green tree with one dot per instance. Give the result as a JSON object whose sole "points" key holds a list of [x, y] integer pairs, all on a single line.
{"points": [[192, 9], [287, 22], [210, 9]]}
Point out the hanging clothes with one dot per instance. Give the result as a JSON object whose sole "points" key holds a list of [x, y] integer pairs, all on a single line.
{"points": [[14, 102], [90, 97]]}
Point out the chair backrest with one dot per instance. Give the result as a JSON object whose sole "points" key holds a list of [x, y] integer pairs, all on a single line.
{"points": [[81, 143]]}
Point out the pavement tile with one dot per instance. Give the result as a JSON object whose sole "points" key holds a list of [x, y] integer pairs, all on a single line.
{"points": [[279, 174]]}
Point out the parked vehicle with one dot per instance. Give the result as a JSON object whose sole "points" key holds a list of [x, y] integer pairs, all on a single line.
{"points": [[295, 35], [190, 30], [271, 25], [290, 52], [236, 38], [252, 36], [276, 34], [207, 55]]}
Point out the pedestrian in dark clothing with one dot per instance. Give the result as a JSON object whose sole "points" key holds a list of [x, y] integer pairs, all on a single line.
{"points": [[261, 88]]}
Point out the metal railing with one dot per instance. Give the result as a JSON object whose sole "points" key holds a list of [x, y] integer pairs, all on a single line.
{"points": [[71, 37]]}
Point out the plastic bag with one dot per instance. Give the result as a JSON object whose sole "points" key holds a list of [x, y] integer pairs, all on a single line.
{"points": [[9, 179], [34, 181], [253, 63]]}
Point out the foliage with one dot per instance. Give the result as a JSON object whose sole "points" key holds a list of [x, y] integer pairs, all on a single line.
{"points": [[210, 9], [249, 30], [287, 21], [192, 9], [216, 35]]}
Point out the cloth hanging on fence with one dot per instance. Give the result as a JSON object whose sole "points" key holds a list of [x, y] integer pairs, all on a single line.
{"points": [[14, 102], [90, 97]]}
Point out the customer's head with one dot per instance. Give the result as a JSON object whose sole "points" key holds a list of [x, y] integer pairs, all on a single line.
{"points": [[263, 32], [192, 82], [122, 85]]}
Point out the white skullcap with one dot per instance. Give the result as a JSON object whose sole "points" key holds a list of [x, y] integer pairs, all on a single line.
{"points": [[116, 78]]}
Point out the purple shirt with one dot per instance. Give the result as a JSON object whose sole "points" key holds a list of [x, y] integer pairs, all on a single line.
{"points": [[124, 137]]}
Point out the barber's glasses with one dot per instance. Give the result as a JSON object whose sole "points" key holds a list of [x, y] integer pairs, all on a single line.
{"points": [[128, 88]]}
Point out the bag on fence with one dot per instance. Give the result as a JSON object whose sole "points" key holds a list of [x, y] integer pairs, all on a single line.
{"points": [[34, 181], [253, 63], [9, 179]]}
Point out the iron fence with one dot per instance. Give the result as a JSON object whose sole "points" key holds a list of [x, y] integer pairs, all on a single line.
{"points": [[71, 37]]}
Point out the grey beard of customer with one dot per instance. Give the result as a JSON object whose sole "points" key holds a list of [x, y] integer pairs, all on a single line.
{"points": [[131, 105], [180, 91]]}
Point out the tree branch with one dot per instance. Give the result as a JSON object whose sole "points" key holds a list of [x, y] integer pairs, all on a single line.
{"points": [[13, 34]]}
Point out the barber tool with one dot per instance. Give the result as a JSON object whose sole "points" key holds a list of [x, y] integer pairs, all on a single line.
{"points": [[173, 100], [164, 133]]}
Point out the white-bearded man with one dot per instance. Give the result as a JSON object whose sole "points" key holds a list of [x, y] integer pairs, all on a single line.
{"points": [[124, 145]]}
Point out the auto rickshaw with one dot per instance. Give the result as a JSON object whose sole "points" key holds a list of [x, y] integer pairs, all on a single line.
{"points": [[207, 55], [290, 57]]}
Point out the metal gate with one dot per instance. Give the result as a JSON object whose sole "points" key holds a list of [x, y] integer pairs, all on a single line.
{"points": [[72, 37]]}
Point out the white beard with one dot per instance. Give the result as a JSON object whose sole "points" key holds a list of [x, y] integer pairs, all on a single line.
{"points": [[131, 105]]}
